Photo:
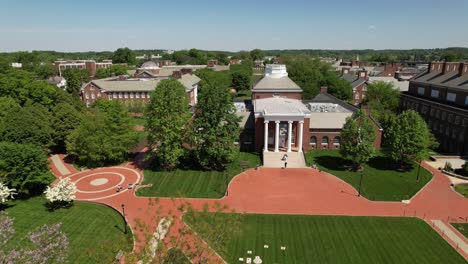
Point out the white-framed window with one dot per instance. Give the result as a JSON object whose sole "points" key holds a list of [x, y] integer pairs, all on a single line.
{"points": [[143, 95], [356, 96], [93, 96], [451, 97], [148, 95], [137, 95], [131, 95], [87, 95], [110, 96], [120, 95], [421, 90], [434, 93], [466, 100], [99, 95], [125, 95], [116, 95], [325, 140], [313, 140], [336, 140]]}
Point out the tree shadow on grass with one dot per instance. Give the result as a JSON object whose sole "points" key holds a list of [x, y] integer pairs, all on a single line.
{"points": [[333, 163], [3, 207], [384, 163]]}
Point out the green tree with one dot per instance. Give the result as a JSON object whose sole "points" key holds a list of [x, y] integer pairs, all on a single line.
{"points": [[338, 87], [102, 73], [75, 79], [27, 125], [166, 116], [44, 71], [104, 136], [64, 120], [124, 55], [215, 126], [408, 138], [24, 167], [241, 80], [357, 139], [118, 70], [383, 99], [257, 54], [450, 56]]}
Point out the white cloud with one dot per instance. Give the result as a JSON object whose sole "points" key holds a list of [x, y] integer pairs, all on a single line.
{"points": [[372, 27]]}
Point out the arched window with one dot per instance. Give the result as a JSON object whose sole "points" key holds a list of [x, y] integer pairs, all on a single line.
{"points": [[336, 140], [313, 140], [325, 140]]}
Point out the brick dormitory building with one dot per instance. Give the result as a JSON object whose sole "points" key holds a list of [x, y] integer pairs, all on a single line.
{"points": [[129, 90], [440, 95], [283, 122]]}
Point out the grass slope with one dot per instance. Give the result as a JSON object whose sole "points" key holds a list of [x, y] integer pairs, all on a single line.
{"points": [[462, 228], [95, 231], [195, 183], [462, 189], [338, 239], [380, 181]]}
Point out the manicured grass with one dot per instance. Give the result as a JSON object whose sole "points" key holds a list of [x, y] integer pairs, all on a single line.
{"points": [[380, 182], [462, 189], [462, 228], [337, 239], [95, 232], [195, 183]]}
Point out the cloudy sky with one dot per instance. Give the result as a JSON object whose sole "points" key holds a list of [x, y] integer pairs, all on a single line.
{"points": [[70, 25]]}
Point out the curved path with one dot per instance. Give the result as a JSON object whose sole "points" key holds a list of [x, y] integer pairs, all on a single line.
{"points": [[275, 191]]}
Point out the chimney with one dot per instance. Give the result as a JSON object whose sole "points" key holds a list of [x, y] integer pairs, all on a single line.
{"points": [[345, 70], [176, 74], [366, 109], [186, 71], [324, 89], [362, 74], [462, 69]]}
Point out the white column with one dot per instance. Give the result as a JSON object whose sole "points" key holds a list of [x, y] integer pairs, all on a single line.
{"points": [[277, 136], [301, 127], [266, 137], [289, 135]]}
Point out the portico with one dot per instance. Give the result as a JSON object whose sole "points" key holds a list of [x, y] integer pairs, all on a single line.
{"points": [[285, 133]]}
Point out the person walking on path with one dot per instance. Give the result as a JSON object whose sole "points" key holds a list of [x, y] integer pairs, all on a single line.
{"points": [[285, 164]]}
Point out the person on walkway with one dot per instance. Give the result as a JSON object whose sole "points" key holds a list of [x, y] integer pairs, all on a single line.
{"points": [[285, 164]]}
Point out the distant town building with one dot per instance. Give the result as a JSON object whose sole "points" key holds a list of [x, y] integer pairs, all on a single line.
{"points": [[440, 95], [58, 81], [90, 65], [235, 61], [358, 83], [17, 65]]}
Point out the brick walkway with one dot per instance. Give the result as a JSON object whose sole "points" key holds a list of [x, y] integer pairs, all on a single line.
{"points": [[275, 191]]}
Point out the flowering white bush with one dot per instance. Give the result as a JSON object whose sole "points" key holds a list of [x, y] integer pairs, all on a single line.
{"points": [[63, 191], [6, 193]]}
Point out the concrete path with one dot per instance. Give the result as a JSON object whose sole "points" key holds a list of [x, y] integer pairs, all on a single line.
{"points": [[58, 163], [456, 239]]}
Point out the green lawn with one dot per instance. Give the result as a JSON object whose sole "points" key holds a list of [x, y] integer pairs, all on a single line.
{"points": [[380, 181], [195, 183], [95, 232], [244, 95], [338, 239], [462, 189], [462, 228]]}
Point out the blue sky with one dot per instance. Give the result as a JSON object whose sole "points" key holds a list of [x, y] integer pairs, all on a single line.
{"points": [[82, 25]]}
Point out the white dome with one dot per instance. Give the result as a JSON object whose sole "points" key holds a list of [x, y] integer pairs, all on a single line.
{"points": [[149, 65]]}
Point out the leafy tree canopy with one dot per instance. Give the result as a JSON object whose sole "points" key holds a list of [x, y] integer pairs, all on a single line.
{"points": [[383, 99], [166, 116], [357, 139], [124, 55]]}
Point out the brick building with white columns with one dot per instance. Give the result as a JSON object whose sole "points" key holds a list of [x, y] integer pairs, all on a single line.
{"points": [[285, 123]]}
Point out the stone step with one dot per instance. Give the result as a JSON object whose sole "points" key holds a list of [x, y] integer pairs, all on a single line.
{"points": [[274, 160]]}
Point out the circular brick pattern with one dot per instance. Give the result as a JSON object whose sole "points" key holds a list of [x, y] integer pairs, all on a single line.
{"points": [[98, 182]]}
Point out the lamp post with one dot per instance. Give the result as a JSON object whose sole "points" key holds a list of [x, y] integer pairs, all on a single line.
{"points": [[125, 220], [419, 168]]}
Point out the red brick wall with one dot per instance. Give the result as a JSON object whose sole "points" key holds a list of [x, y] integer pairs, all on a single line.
{"points": [[359, 94]]}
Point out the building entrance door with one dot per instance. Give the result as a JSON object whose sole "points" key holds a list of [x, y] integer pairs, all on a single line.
{"points": [[283, 130]]}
